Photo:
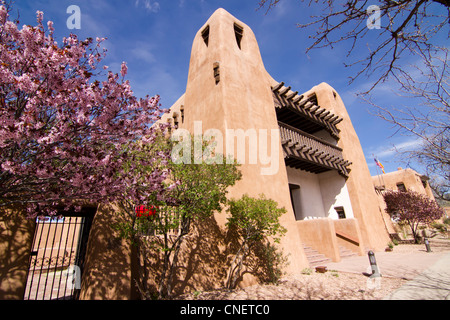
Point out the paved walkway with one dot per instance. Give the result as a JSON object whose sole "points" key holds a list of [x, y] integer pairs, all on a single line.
{"points": [[428, 272], [432, 284]]}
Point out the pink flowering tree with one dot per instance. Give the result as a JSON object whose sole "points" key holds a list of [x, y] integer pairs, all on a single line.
{"points": [[413, 208], [66, 127]]}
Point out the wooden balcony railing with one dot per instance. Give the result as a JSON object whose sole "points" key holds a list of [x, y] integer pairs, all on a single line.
{"points": [[307, 152]]}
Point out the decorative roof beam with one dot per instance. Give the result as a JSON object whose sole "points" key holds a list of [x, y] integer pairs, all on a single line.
{"points": [[278, 86], [297, 99], [290, 96], [284, 91], [314, 109], [335, 122], [319, 112], [324, 115]]}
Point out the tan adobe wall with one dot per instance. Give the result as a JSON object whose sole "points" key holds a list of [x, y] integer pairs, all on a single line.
{"points": [[107, 272], [411, 179], [241, 100], [16, 238], [364, 200]]}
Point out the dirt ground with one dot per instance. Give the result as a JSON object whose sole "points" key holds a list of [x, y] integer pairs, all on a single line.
{"points": [[314, 286], [310, 285]]}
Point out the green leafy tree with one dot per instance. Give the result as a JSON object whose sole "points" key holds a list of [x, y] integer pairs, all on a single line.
{"points": [[254, 219], [194, 192]]}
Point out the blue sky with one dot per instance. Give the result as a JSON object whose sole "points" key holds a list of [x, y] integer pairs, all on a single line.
{"points": [[154, 37]]}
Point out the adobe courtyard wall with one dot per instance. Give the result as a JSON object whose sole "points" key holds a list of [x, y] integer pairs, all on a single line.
{"points": [[16, 239], [108, 271], [320, 234], [349, 235]]}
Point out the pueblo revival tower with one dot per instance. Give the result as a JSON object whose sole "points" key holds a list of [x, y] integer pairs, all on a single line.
{"points": [[310, 160]]}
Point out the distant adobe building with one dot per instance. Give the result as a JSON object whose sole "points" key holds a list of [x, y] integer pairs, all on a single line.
{"points": [[400, 180], [322, 178], [403, 180]]}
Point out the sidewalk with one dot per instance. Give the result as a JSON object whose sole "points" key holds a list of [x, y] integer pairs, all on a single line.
{"points": [[428, 272], [432, 284]]}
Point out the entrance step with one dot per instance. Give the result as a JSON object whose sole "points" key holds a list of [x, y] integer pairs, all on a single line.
{"points": [[346, 253], [314, 257]]}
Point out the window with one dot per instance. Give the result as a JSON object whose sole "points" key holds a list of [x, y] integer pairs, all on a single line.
{"points": [[401, 187], [216, 68], [424, 183], [175, 119], [294, 191], [182, 113], [205, 35], [340, 212], [238, 32]]}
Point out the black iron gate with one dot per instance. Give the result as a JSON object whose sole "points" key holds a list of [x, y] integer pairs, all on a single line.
{"points": [[57, 256]]}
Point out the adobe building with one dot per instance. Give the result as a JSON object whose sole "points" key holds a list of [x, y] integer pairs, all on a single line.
{"points": [[400, 180], [322, 178], [403, 180], [299, 149]]}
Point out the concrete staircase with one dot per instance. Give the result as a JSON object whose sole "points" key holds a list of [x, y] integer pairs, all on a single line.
{"points": [[346, 253], [316, 259]]}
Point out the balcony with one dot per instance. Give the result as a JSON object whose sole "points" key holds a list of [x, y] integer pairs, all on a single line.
{"points": [[307, 152], [303, 112]]}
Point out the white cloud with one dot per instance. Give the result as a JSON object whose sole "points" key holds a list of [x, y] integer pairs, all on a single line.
{"points": [[149, 5], [391, 150]]}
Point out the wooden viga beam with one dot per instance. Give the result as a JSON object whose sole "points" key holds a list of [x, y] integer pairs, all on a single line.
{"points": [[338, 120], [314, 109], [297, 99], [324, 115], [278, 86], [284, 91], [291, 95], [333, 118], [318, 112], [308, 105]]}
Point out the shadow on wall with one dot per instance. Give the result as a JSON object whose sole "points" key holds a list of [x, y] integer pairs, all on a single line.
{"points": [[204, 262], [107, 270], [16, 237]]}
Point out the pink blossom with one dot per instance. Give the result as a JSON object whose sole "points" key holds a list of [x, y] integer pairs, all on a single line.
{"points": [[123, 69], [62, 133]]}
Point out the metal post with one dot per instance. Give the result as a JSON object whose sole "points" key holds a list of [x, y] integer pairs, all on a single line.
{"points": [[373, 265], [427, 244]]}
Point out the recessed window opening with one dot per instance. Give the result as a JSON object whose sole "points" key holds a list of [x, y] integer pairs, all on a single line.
{"points": [[340, 212], [424, 183], [205, 35], [401, 187], [182, 113], [175, 119], [238, 32], [295, 194]]}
